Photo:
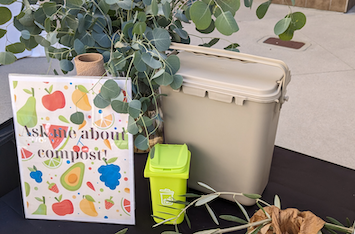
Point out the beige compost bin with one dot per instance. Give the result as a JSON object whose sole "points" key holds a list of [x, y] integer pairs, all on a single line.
{"points": [[227, 112]]}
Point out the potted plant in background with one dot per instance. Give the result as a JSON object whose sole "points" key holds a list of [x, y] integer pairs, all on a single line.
{"points": [[133, 37]]}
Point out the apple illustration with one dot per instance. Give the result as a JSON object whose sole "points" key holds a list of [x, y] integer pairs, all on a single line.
{"points": [[53, 101], [62, 208]]}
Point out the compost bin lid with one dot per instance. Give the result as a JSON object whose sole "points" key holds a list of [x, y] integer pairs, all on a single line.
{"points": [[224, 78], [165, 158]]}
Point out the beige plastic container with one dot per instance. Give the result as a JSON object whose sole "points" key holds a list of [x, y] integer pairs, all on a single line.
{"points": [[227, 112]]}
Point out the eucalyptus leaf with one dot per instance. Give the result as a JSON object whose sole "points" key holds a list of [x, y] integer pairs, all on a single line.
{"points": [[101, 102], [139, 28], [141, 142], [5, 15], [226, 24], [7, 2], [25, 34], [229, 5], [150, 61], [138, 62], [43, 42], [262, 9], [161, 39], [164, 79], [209, 29], [282, 25], [201, 15], [182, 33], [74, 3], [166, 10], [154, 7], [145, 121], [15, 48], [77, 118], [7, 58], [102, 39], [79, 47], [173, 64], [110, 89], [134, 108], [49, 8], [132, 126], [2, 32], [232, 47], [119, 106], [298, 20], [66, 65]]}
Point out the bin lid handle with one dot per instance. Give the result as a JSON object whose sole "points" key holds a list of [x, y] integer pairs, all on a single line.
{"points": [[243, 57]]}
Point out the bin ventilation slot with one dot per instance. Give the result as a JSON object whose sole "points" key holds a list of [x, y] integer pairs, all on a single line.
{"points": [[194, 91]]}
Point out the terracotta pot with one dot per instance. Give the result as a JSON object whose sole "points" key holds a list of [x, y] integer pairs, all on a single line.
{"points": [[89, 64]]}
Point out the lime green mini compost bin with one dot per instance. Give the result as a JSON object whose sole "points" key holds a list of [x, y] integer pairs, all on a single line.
{"points": [[168, 170]]}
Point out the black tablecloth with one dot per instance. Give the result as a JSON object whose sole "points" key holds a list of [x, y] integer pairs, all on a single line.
{"points": [[300, 181]]}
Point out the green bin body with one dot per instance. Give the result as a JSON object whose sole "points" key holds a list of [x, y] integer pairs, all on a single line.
{"points": [[168, 170]]}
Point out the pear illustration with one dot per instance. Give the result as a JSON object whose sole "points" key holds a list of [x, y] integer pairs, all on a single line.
{"points": [[42, 208], [27, 115]]}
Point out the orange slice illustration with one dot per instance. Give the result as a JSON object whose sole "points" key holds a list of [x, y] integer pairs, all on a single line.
{"points": [[105, 122]]}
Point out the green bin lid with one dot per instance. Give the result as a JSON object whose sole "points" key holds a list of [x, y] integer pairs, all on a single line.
{"points": [[169, 158]]}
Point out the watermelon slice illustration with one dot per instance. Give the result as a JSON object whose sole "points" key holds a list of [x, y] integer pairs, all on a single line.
{"points": [[26, 155], [126, 206], [58, 135]]}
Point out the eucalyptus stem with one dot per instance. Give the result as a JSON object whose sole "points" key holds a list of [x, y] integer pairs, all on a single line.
{"points": [[236, 228]]}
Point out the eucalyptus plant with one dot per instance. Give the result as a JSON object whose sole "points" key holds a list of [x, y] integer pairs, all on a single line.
{"points": [[134, 38]]}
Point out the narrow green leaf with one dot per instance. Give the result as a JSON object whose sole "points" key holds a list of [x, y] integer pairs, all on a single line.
{"points": [[282, 25], [190, 195], [5, 15], [205, 199], [187, 220], [206, 186], [7, 58], [256, 230], [277, 202], [233, 219], [262, 9], [77, 118], [166, 220], [201, 15], [242, 209], [334, 221], [211, 231], [123, 231], [112, 160], [63, 119], [252, 196], [212, 214], [262, 208], [89, 198]]}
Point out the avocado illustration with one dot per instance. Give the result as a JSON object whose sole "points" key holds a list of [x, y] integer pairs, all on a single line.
{"points": [[27, 115], [72, 178], [42, 208]]}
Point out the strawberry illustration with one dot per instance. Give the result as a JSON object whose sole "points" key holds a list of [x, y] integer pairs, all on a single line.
{"points": [[53, 187], [108, 203]]}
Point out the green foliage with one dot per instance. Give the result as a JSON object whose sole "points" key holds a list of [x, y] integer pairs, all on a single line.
{"points": [[134, 37]]}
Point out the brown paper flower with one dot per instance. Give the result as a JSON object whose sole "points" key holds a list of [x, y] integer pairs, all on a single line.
{"points": [[289, 221]]}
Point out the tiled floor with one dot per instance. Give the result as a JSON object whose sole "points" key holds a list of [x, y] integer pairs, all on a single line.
{"points": [[319, 118]]}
